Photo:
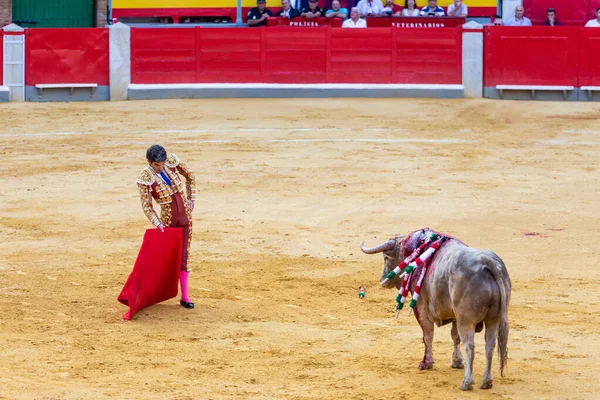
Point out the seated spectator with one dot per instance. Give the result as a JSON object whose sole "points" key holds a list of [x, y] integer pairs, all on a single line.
{"points": [[297, 4], [391, 10], [369, 8], [287, 11], [313, 10], [432, 10], [497, 21], [258, 15], [458, 9], [594, 23], [355, 21], [551, 18], [410, 8], [519, 19], [336, 11]]}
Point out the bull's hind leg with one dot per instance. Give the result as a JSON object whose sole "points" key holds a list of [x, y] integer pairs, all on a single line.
{"points": [[457, 360], [467, 335], [427, 328], [491, 335]]}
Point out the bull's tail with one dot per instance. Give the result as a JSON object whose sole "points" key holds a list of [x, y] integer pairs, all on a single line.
{"points": [[498, 269]]}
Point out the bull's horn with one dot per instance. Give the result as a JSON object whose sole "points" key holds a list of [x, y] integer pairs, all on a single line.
{"points": [[378, 249]]}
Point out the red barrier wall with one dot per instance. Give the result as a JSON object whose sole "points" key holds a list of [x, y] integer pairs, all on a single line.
{"points": [[589, 57], [163, 55], [296, 55], [373, 22], [304, 22], [67, 56], [531, 56]]}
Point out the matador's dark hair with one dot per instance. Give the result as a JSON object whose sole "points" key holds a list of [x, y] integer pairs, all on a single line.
{"points": [[156, 153]]}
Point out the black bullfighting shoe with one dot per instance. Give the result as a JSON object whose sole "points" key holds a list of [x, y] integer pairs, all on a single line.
{"points": [[186, 304]]}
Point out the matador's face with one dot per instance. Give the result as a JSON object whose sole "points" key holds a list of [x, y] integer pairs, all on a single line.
{"points": [[157, 166]]}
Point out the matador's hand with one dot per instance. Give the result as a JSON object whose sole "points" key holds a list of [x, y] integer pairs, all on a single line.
{"points": [[191, 204], [161, 227]]}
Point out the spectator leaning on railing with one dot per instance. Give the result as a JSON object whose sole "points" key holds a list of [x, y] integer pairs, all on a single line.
{"points": [[313, 10], [370, 8], [594, 23], [458, 9], [258, 15], [432, 10], [287, 10], [410, 8], [391, 10], [519, 19], [551, 18], [336, 11], [355, 21]]}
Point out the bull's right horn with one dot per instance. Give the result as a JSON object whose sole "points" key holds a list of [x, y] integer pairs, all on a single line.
{"points": [[378, 249]]}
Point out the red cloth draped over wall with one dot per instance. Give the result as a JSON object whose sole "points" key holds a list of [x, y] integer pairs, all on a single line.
{"points": [[155, 274]]}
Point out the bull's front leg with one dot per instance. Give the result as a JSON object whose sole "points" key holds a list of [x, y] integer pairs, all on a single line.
{"points": [[457, 360], [427, 328]]}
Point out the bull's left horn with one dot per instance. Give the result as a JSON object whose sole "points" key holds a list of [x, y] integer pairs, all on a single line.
{"points": [[378, 249]]}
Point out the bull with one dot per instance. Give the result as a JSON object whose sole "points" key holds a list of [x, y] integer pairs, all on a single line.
{"points": [[464, 286]]}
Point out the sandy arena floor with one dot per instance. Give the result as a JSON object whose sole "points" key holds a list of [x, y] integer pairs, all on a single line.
{"points": [[283, 203]]}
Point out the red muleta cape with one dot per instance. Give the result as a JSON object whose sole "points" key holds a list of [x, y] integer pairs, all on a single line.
{"points": [[156, 271]]}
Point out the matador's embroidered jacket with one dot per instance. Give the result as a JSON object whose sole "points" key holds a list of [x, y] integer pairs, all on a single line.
{"points": [[151, 185]]}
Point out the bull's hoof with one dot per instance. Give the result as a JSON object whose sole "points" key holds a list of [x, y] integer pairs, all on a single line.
{"points": [[458, 364], [426, 365], [466, 386], [486, 385]]}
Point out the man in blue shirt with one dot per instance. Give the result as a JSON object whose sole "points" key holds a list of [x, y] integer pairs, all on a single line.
{"points": [[432, 10], [336, 11]]}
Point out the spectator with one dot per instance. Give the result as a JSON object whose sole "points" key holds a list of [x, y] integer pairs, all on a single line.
{"points": [[458, 9], [410, 8], [258, 15], [391, 10], [313, 10], [287, 11], [336, 11], [551, 18], [519, 19], [370, 8], [355, 21], [594, 23], [497, 21], [432, 10], [297, 4]]}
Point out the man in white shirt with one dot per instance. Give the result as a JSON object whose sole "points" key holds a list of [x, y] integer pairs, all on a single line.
{"points": [[519, 19], [594, 23], [458, 9], [370, 8], [354, 21]]}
